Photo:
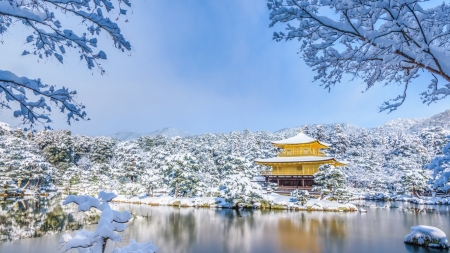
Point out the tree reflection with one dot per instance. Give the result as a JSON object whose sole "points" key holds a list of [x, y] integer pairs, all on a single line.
{"points": [[35, 217]]}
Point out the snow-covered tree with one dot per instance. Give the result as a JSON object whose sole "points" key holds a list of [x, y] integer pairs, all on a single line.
{"points": [[320, 134], [238, 188], [440, 166], [302, 196], [306, 130], [57, 147], [385, 42], [434, 138], [415, 181], [339, 140], [331, 180], [51, 37], [181, 175]]}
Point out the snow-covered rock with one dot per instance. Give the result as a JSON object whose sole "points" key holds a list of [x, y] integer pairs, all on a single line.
{"points": [[427, 236]]}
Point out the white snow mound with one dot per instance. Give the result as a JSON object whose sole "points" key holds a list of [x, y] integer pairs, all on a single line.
{"points": [[427, 236]]}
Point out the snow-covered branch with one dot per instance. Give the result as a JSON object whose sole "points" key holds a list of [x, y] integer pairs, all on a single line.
{"points": [[110, 222], [14, 90], [377, 41], [50, 38]]}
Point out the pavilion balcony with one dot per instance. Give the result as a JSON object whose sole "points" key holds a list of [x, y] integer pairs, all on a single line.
{"points": [[294, 172], [299, 153]]}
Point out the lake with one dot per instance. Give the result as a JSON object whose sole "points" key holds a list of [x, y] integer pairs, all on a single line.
{"points": [[203, 230]]}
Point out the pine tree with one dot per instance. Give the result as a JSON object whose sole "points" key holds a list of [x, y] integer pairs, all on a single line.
{"points": [[320, 134], [415, 181], [339, 140], [330, 179], [306, 130], [440, 166]]}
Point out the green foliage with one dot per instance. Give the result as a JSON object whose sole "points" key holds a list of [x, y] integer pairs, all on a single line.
{"points": [[331, 179], [302, 196]]}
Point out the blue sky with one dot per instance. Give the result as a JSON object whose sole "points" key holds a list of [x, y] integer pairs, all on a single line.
{"points": [[205, 66]]}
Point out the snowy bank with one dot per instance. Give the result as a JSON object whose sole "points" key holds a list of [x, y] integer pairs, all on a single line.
{"points": [[171, 201], [381, 196], [269, 201], [427, 236]]}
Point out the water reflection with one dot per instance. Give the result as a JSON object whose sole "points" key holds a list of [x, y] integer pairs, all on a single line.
{"points": [[36, 217], [181, 230]]}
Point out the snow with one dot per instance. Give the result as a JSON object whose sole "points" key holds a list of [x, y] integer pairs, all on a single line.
{"points": [[170, 201], [7, 9], [427, 236], [295, 159], [111, 222], [358, 41], [168, 132], [277, 201], [51, 38], [382, 163], [300, 138]]}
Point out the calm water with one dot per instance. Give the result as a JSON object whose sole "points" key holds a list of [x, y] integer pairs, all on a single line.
{"points": [[179, 230]]}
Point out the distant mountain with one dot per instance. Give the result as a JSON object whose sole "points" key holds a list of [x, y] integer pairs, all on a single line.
{"points": [[168, 132], [126, 135]]}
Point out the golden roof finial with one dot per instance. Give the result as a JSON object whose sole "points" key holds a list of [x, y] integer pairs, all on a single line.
{"points": [[301, 130]]}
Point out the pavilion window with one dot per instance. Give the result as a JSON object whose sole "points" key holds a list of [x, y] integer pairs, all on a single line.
{"points": [[305, 151], [299, 167]]}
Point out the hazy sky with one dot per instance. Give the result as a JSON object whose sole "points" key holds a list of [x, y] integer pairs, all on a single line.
{"points": [[204, 66]]}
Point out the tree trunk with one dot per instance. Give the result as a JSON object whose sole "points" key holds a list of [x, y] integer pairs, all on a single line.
{"points": [[415, 194], [28, 184], [38, 183], [29, 179], [150, 191], [176, 189]]}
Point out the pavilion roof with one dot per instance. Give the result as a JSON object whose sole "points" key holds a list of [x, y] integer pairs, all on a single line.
{"points": [[300, 138], [294, 159]]}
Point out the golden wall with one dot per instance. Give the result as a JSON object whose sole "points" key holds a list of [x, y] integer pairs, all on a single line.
{"points": [[300, 169]]}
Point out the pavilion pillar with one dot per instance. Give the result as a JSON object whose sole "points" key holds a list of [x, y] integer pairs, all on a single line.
{"points": [[303, 182]]}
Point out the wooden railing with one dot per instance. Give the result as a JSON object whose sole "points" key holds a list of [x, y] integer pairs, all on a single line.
{"points": [[289, 172], [299, 153]]}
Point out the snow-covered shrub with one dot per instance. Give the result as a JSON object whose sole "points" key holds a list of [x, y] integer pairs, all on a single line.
{"points": [[110, 223], [301, 196]]}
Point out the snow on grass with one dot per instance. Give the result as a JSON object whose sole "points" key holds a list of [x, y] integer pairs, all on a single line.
{"points": [[427, 236]]}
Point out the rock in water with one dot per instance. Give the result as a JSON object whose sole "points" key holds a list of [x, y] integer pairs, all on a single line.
{"points": [[427, 236]]}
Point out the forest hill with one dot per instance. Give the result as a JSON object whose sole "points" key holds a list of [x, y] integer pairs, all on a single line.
{"points": [[387, 159]]}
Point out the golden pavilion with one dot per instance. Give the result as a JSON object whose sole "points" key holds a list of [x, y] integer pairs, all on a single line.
{"points": [[296, 164]]}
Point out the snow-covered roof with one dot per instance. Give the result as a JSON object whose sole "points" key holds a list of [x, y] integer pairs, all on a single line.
{"points": [[300, 138], [293, 159]]}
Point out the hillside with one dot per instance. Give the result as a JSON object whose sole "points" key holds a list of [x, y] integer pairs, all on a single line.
{"points": [[379, 158]]}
